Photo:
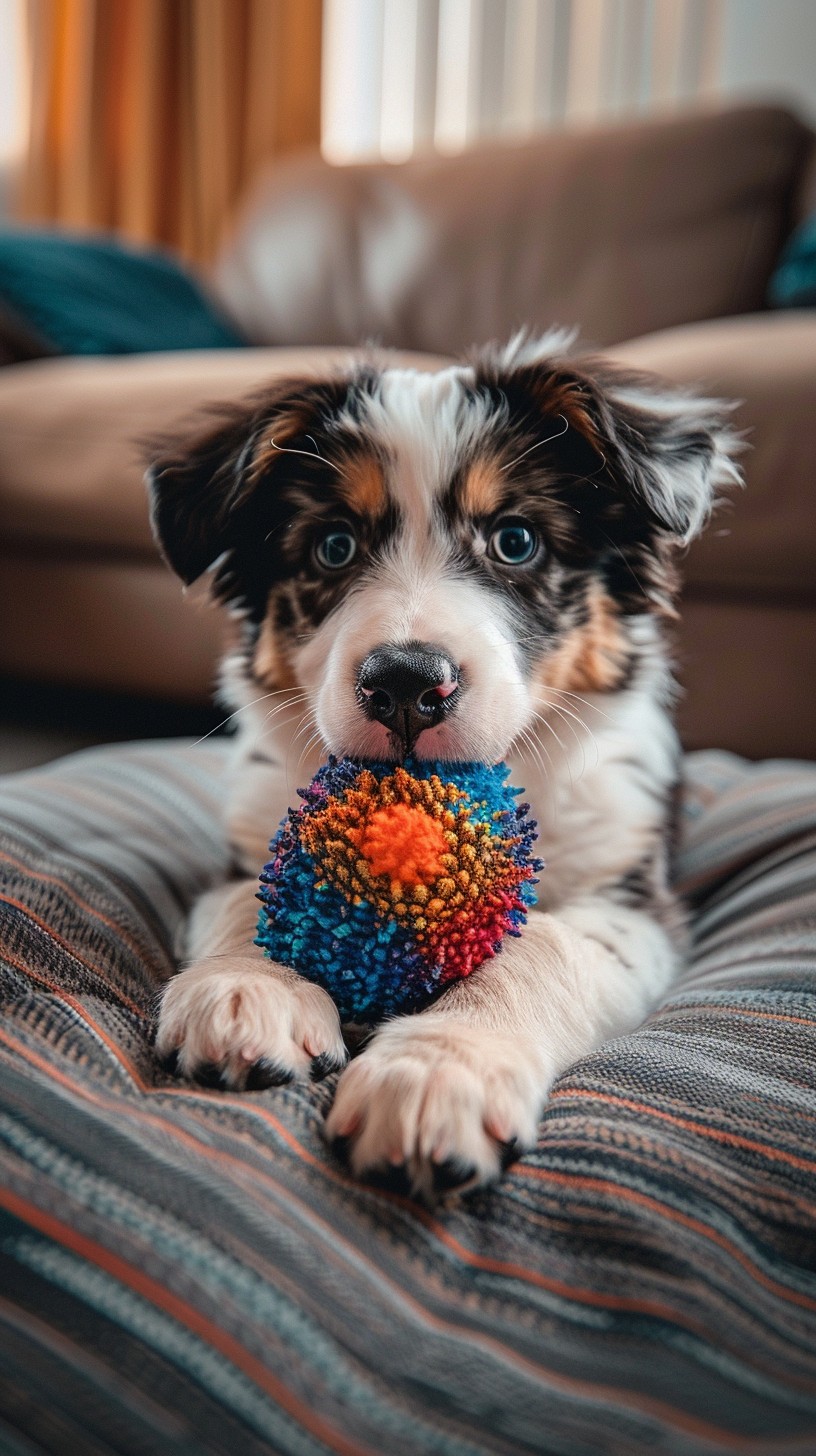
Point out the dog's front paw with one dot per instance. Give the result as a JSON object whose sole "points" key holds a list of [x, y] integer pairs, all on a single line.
{"points": [[433, 1105], [233, 1023]]}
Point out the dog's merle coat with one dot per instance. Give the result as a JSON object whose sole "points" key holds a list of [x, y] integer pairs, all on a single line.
{"points": [[518, 518]]}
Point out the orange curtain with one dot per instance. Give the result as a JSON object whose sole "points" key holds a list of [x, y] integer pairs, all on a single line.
{"points": [[149, 116]]}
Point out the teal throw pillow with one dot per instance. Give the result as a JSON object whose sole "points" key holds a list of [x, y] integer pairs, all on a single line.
{"points": [[793, 285], [90, 294]]}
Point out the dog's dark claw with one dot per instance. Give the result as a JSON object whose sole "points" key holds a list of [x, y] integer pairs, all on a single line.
{"points": [[451, 1174], [392, 1179], [324, 1065], [266, 1073], [509, 1152], [209, 1074], [340, 1147]]}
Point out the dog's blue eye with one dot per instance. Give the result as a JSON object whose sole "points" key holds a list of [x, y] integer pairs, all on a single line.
{"points": [[336, 549], [513, 544]]}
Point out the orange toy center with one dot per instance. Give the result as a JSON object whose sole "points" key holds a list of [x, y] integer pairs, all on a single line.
{"points": [[403, 843]]}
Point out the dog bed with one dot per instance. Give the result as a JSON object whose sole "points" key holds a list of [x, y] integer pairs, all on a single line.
{"points": [[192, 1271]]}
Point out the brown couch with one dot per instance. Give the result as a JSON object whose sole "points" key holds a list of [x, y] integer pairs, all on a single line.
{"points": [[657, 239]]}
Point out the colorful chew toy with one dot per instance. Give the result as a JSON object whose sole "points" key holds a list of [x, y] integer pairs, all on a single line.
{"points": [[388, 882]]}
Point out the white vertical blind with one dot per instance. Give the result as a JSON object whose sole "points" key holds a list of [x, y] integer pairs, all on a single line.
{"points": [[591, 30], [409, 67], [629, 87], [458, 62], [527, 74], [13, 89], [353, 32], [400, 68], [400, 75]]}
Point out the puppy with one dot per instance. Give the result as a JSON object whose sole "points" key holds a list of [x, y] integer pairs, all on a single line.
{"points": [[478, 563]]}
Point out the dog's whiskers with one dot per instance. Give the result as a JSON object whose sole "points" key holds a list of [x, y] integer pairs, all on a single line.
{"points": [[293, 696], [536, 748], [307, 724], [305, 721], [291, 702], [243, 709], [569, 717], [311, 742], [540, 718], [294, 717], [593, 707], [536, 446], [533, 745], [315, 738], [567, 712], [552, 708], [309, 454]]}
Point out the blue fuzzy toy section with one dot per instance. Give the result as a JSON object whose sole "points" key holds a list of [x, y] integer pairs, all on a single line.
{"points": [[374, 964]]}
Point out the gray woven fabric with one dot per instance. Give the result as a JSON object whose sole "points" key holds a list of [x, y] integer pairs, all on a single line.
{"points": [[191, 1271]]}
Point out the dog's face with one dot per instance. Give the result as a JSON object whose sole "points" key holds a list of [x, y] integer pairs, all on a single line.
{"points": [[433, 558]]}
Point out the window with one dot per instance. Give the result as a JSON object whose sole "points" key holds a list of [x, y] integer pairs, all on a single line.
{"points": [[13, 88], [400, 75]]}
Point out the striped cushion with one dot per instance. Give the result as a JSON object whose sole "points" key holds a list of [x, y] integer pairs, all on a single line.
{"points": [[190, 1271]]}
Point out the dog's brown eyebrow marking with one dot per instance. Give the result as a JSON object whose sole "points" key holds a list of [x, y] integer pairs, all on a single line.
{"points": [[362, 486], [482, 487], [483, 490]]}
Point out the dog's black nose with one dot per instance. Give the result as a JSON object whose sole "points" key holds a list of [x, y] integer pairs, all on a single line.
{"points": [[407, 687]]}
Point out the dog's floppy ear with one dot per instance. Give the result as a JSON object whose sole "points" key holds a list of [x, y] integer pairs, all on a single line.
{"points": [[205, 501], [196, 490], [675, 450], [669, 450]]}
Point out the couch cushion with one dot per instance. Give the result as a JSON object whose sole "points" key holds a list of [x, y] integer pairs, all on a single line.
{"points": [[190, 1270], [762, 542], [73, 433], [746, 676], [620, 230], [118, 625]]}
